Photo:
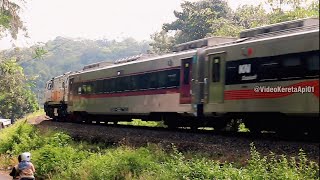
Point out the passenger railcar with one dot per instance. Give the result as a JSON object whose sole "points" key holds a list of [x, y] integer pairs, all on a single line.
{"points": [[213, 82], [237, 73]]}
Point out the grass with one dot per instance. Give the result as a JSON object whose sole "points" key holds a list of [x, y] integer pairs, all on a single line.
{"points": [[35, 114], [139, 122], [56, 156]]}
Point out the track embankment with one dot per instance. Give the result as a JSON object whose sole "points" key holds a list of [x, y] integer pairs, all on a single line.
{"points": [[218, 147]]}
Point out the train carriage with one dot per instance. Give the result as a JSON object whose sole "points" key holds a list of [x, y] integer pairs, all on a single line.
{"points": [[210, 82], [236, 75], [133, 89]]}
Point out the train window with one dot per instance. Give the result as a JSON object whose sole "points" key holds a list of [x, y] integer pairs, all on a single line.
{"points": [[106, 86], [89, 89], [118, 84], [186, 73], [216, 69], [312, 66], [110, 85], [79, 90], [99, 86], [153, 81], [313, 62], [132, 83], [292, 67], [291, 61], [162, 79], [52, 85], [84, 89], [268, 70], [49, 87], [232, 76], [93, 86], [143, 80], [123, 85], [173, 77]]}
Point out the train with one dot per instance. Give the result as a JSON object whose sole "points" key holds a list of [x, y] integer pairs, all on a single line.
{"points": [[267, 78]]}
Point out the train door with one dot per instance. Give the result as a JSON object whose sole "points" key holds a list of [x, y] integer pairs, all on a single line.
{"points": [[216, 77], [70, 91], [49, 91], [65, 89], [185, 78]]}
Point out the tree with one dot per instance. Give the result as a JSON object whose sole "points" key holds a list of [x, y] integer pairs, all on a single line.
{"points": [[162, 42], [16, 97], [10, 20], [196, 18], [285, 10]]}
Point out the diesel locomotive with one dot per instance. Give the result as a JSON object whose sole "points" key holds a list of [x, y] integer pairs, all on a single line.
{"points": [[268, 78]]}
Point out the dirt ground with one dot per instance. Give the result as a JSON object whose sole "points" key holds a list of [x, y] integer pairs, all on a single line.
{"points": [[4, 175]]}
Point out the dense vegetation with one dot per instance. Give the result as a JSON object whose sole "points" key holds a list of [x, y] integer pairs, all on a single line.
{"points": [[66, 54], [206, 18], [57, 156]]}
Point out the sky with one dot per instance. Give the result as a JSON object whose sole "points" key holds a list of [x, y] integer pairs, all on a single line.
{"points": [[96, 19]]}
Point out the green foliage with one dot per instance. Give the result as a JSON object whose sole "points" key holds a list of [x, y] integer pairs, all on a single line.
{"points": [[281, 167], [139, 122], [194, 22], [39, 53], [214, 18], [64, 54], [51, 159], [18, 138], [16, 97], [56, 156], [162, 42], [10, 20], [121, 163], [243, 128]]}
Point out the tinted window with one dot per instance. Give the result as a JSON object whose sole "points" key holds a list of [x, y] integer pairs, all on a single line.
{"points": [[80, 90], [186, 73], [173, 77], [110, 85], [153, 82], [143, 81], [162, 79], [232, 73], [291, 67], [122, 84], [216, 69], [99, 88], [268, 70], [313, 62]]}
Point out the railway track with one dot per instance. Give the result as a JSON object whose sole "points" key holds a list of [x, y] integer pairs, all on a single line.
{"points": [[264, 135], [224, 145]]}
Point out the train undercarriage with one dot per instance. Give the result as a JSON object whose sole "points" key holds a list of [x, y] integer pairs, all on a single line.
{"points": [[256, 122]]}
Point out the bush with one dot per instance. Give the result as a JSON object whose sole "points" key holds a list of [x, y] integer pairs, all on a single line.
{"points": [[120, 163], [18, 138], [51, 160], [56, 156]]}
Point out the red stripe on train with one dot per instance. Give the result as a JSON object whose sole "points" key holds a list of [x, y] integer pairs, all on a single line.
{"points": [[251, 94]]}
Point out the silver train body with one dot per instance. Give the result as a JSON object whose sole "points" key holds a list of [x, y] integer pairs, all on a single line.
{"points": [[268, 79]]}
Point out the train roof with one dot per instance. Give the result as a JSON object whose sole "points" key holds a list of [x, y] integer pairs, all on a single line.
{"points": [[147, 58], [300, 24], [205, 42], [279, 30]]}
